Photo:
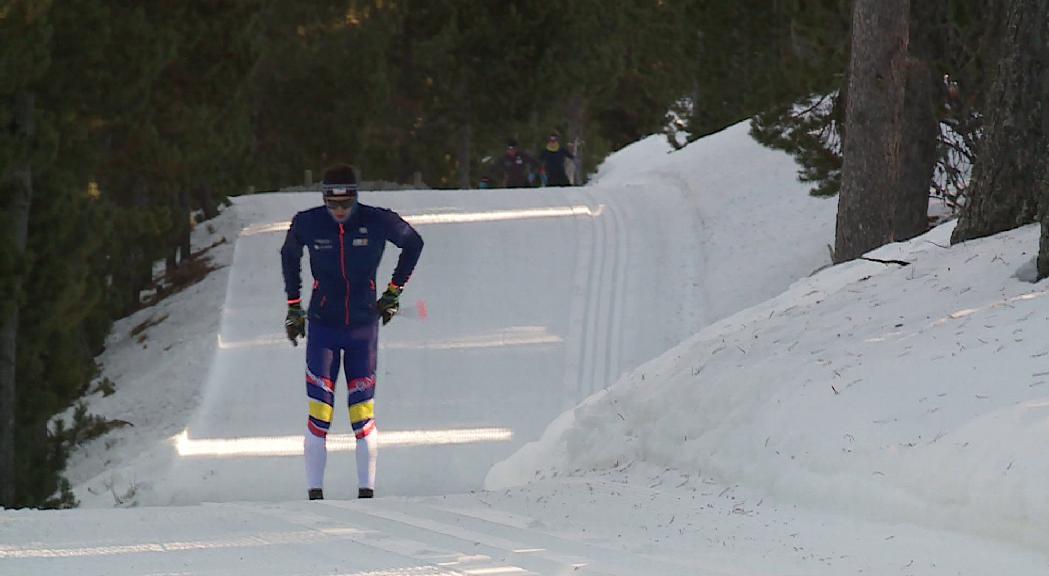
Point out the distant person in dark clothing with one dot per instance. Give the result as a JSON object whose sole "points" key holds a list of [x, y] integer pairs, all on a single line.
{"points": [[516, 169], [553, 159]]}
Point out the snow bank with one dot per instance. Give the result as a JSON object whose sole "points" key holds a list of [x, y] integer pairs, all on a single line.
{"points": [[917, 393]]}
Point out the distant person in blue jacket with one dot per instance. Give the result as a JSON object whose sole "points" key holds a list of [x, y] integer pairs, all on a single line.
{"points": [[553, 161], [345, 240]]}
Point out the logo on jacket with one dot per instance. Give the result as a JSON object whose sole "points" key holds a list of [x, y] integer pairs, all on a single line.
{"points": [[322, 244]]}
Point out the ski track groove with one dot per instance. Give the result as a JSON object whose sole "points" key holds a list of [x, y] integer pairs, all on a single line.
{"points": [[619, 278], [577, 319], [605, 324], [593, 301], [416, 552], [599, 559], [433, 540]]}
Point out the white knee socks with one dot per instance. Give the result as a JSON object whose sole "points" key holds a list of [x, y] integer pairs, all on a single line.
{"points": [[367, 450], [316, 452]]}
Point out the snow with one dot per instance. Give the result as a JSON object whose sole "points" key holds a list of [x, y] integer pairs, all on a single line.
{"points": [[658, 373]]}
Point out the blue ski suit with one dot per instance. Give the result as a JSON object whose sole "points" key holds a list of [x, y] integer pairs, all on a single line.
{"points": [[343, 322]]}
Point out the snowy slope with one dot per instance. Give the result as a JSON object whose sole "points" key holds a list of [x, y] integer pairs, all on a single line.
{"points": [[535, 299], [870, 419], [915, 394]]}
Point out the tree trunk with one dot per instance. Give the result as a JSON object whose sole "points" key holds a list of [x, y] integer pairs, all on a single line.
{"points": [[464, 154], [466, 135], [22, 185], [920, 124], [576, 131], [873, 160], [206, 201], [1040, 118], [1010, 164]]}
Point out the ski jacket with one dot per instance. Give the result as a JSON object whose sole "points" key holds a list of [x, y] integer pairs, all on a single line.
{"points": [[515, 171], [554, 166], [344, 259]]}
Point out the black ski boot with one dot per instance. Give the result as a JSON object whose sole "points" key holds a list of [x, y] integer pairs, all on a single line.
{"points": [[316, 494], [365, 493]]}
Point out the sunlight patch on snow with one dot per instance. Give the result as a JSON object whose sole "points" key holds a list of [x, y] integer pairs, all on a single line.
{"points": [[292, 445], [514, 336], [500, 215], [269, 340], [414, 571], [961, 314], [966, 312], [998, 304], [253, 541], [458, 217], [265, 228]]}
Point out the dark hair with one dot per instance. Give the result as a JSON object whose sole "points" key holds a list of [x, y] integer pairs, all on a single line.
{"points": [[340, 174], [511, 142]]}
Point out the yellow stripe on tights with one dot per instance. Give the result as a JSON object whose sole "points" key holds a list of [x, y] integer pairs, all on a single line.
{"points": [[320, 411], [363, 411]]}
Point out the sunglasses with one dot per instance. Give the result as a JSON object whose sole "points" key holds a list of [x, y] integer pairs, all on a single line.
{"points": [[341, 204]]}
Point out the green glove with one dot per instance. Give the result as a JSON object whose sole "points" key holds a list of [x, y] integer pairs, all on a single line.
{"points": [[389, 303], [295, 323]]}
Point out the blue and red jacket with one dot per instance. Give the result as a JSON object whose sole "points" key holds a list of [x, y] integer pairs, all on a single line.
{"points": [[344, 259]]}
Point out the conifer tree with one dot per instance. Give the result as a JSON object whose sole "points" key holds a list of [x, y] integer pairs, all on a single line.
{"points": [[1008, 177]]}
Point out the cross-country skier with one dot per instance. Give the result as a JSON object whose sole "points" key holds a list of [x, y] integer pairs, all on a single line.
{"points": [[345, 240], [553, 159], [516, 169]]}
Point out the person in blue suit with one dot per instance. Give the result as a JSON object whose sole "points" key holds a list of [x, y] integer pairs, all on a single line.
{"points": [[345, 240]]}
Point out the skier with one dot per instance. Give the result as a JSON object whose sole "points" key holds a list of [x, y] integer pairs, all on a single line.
{"points": [[553, 159], [516, 169], [345, 240]]}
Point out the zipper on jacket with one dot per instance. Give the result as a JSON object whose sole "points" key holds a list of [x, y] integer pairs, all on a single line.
{"points": [[342, 264]]}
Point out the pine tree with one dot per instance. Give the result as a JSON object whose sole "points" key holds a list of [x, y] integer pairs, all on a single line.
{"points": [[24, 33], [1008, 177], [873, 155]]}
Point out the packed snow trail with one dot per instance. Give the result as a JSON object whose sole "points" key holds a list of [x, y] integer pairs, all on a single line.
{"points": [[515, 313], [524, 302]]}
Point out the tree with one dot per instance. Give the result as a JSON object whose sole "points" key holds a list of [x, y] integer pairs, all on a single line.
{"points": [[890, 126], [873, 159], [24, 32], [1008, 177], [804, 113], [920, 122], [113, 138], [21, 189]]}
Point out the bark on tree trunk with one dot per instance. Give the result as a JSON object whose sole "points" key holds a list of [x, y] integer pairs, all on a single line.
{"points": [[464, 152], [920, 124], [1008, 175], [22, 184], [576, 131], [206, 200], [873, 159], [466, 136], [1041, 119]]}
